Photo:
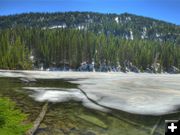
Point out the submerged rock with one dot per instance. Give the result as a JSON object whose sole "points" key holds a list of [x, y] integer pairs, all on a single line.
{"points": [[43, 126], [93, 120], [89, 133], [27, 80]]}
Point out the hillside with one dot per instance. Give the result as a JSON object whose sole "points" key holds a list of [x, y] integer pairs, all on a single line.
{"points": [[125, 25], [89, 41]]}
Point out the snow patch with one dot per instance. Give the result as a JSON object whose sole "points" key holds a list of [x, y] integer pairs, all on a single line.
{"points": [[80, 27], [126, 36], [131, 35], [128, 18], [144, 32], [157, 35], [117, 20], [58, 26]]}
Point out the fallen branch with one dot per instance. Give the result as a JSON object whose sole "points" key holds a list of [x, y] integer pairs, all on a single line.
{"points": [[38, 120], [155, 126]]}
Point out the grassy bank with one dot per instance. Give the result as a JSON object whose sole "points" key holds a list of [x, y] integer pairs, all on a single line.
{"points": [[12, 120]]}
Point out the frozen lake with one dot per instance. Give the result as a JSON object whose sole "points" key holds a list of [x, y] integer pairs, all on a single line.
{"points": [[149, 94]]}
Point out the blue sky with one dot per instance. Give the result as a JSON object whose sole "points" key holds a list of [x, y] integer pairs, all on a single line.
{"points": [[167, 10]]}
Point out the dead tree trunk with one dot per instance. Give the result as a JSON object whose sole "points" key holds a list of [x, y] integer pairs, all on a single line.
{"points": [[38, 120]]}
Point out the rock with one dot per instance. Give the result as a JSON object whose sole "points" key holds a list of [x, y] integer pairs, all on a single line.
{"points": [[92, 66], [93, 120], [129, 67], [173, 70], [84, 67], [156, 68], [39, 132], [27, 80], [103, 66], [134, 69], [43, 125], [126, 69], [65, 130], [118, 68], [71, 126], [89, 133], [148, 70]]}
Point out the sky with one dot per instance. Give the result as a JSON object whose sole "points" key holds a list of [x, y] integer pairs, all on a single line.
{"points": [[167, 10]]}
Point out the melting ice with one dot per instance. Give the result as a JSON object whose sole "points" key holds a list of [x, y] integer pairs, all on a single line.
{"points": [[153, 94]]}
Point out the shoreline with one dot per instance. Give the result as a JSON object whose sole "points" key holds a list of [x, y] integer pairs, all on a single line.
{"points": [[74, 71]]}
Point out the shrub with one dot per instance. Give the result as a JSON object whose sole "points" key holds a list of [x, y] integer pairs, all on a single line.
{"points": [[11, 119]]}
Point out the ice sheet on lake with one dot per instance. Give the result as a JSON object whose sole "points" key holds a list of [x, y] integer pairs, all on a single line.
{"points": [[141, 93], [42, 94]]}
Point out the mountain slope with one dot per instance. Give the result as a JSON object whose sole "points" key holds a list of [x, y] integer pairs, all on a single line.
{"points": [[83, 40], [125, 25]]}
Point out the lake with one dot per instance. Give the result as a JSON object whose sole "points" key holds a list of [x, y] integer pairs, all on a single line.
{"points": [[88, 103]]}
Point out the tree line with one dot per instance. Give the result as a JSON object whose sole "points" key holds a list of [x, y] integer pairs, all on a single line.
{"points": [[59, 47]]}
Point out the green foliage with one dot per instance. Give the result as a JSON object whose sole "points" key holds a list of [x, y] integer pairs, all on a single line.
{"points": [[59, 47], [11, 119], [13, 53], [102, 39], [97, 23]]}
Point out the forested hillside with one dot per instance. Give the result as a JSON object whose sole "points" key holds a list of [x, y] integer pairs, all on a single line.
{"points": [[117, 42], [125, 25]]}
